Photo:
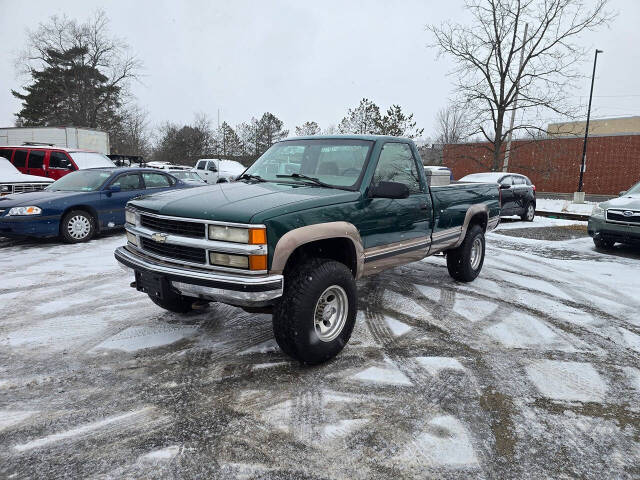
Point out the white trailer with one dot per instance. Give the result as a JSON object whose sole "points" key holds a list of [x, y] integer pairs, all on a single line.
{"points": [[69, 137]]}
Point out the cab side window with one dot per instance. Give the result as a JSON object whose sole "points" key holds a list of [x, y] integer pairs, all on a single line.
{"points": [[156, 180], [396, 164], [20, 159], [60, 160], [36, 159], [129, 182], [201, 165]]}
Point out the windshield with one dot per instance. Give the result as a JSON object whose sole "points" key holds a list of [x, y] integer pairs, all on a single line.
{"points": [[186, 175], [337, 162], [91, 160], [81, 181], [635, 190]]}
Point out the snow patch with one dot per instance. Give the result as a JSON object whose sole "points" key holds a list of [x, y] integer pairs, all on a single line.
{"points": [[389, 375], [262, 366], [434, 365], [162, 455], [634, 376], [268, 346], [569, 381], [631, 339], [57, 333], [342, 428], [472, 308], [137, 338], [445, 442], [9, 418], [406, 305], [432, 293], [397, 327], [524, 331]]}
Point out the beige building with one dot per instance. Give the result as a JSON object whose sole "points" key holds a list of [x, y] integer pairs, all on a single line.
{"points": [[601, 126]]}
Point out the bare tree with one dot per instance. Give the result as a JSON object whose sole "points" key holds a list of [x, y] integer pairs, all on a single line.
{"points": [[131, 136], [489, 75], [452, 124], [307, 129]]}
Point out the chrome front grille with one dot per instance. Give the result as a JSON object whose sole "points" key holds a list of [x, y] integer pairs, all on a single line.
{"points": [[28, 187], [629, 217], [177, 252], [177, 227]]}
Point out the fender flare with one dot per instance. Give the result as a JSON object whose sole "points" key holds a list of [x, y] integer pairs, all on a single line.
{"points": [[472, 211], [311, 233]]}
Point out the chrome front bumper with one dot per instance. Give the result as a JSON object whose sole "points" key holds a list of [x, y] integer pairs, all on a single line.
{"points": [[240, 290]]}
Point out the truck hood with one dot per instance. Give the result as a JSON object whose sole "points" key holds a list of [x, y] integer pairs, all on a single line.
{"points": [[16, 177], [240, 202], [631, 202]]}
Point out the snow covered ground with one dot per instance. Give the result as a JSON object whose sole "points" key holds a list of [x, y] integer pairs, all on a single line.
{"points": [[531, 371], [564, 206]]}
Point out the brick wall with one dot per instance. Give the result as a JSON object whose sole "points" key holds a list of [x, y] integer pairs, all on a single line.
{"points": [[553, 165]]}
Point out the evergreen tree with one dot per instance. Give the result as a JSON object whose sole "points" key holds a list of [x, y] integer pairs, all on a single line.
{"points": [[363, 120], [396, 123], [269, 131], [308, 128]]}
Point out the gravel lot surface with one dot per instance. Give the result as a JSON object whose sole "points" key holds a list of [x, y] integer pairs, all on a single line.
{"points": [[531, 371]]}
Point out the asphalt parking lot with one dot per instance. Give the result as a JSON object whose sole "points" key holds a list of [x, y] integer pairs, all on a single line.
{"points": [[531, 371]]}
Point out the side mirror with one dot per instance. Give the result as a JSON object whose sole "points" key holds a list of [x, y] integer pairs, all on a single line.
{"points": [[115, 188], [389, 190], [504, 186], [623, 193]]}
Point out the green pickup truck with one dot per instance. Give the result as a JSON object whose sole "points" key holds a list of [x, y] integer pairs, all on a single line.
{"points": [[310, 217]]}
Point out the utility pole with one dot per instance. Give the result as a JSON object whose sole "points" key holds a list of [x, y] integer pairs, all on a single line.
{"points": [[505, 165], [586, 129]]}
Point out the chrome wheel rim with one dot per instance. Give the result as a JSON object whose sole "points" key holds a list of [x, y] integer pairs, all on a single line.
{"points": [[476, 253], [330, 313], [78, 227], [530, 212]]}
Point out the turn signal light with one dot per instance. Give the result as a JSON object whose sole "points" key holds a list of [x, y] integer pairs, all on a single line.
{"points": [[258, 262], [257, 236]]}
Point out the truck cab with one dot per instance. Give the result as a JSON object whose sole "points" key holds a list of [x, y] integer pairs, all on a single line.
{"points": [[299, 228]]}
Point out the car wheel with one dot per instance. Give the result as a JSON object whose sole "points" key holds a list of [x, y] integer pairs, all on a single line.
{"points": [[529, 213], [314, 319], [77, 226], [602, 243], [465, 262]]}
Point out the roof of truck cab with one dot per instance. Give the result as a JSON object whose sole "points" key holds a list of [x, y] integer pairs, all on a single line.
{"points": [[371, 138]]}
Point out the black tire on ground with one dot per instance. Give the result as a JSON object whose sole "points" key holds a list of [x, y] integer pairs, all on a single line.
{"points": [[529, 213], [174, 302], [465, 262], [313, 320], [77, 226], [603, 243]]}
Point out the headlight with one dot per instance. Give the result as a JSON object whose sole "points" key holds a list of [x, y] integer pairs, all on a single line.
{"points": [[131, 238], [5, 188], [25, 211], [598, 211], [253, 236], [130, 217], [226, 260]]}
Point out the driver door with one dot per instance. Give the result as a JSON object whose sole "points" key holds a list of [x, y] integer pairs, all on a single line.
{"points": [[396, 231], [113, 203]]}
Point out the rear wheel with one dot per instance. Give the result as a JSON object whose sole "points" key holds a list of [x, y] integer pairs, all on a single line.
{"points": [[465, 262], [314, 318], [77, 226], [529, 213]]}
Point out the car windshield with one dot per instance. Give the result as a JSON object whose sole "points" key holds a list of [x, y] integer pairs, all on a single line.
{"points": [[81, 181], [186, 175], [635, 190], [91, 160], [336, 162]]}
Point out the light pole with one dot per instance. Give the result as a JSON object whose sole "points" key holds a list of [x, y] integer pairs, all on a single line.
{"points": [[586, 130]]}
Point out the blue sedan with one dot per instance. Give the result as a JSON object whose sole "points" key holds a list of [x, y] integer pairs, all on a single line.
{"points": [[81, 203]]}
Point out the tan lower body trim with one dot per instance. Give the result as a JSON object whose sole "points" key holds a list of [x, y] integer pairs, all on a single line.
{"points": [[383, 257]]}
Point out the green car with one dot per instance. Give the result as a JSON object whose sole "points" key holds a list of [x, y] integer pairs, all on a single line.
{"points": [[617, 220], [310, 217]]}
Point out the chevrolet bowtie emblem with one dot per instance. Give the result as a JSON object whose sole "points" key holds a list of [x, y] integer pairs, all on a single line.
{"points": [[159, 237]]}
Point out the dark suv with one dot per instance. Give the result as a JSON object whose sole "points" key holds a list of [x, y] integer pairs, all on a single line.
{"points": [[518, 194]]}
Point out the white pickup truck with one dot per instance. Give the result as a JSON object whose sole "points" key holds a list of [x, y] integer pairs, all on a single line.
{"points": [[215, 170]]}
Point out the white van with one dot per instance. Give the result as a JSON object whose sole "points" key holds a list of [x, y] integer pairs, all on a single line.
{"points": [[215, 170]]}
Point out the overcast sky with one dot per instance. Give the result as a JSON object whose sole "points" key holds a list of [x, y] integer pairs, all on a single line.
{"points": [[299, 60]]}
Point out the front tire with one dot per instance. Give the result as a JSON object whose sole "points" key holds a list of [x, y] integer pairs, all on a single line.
{"points": [[529, 213], [465, 262], [314, 319], [603, 244], [77, 226]]}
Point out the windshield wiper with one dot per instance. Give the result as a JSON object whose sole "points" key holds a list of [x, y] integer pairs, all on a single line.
{"points": [[305, 177], [250, 176]]}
